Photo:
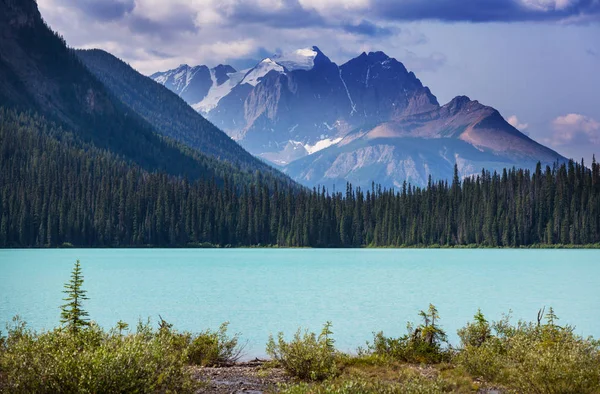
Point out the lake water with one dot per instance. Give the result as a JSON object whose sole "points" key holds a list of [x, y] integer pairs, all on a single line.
{"points": [[262, 291]]}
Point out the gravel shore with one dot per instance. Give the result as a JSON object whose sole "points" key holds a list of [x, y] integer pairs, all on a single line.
{"points": [[247, 377]]}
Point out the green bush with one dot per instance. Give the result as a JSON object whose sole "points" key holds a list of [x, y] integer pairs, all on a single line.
{"points": [[307, 356], [477, 332], [80, 357], [207, 348], [92, 361], [421, 344], [212, 348], [363, 386], [534, 357]]}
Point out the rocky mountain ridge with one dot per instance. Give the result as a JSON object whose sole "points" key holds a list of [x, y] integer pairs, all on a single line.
{"points": [[328, 124]]}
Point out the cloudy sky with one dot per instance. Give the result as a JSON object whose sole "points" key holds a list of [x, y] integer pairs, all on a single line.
{"points": [[536, 61]]}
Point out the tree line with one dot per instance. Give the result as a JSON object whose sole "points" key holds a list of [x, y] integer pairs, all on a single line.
{"points": [[55, 190]]}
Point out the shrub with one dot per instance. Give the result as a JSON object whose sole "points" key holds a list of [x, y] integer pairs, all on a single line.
{"points": [[357, 385], [307, 356], [422, 344], [475, 333], [212, 348], [92, 361], [535, 358]]}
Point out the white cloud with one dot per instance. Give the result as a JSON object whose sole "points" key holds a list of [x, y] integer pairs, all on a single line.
{"points": [[156, 35], [575, 128], [514, 122], [332, 5], [548, 5]]}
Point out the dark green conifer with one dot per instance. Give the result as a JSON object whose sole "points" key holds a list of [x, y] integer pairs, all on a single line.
{"points": [[72, 315]]}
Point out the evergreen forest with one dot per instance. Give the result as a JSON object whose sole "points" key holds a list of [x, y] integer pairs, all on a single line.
{"points": [[56, 190]]}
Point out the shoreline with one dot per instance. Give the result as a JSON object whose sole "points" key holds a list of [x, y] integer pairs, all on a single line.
{"points": [[416, 247]]}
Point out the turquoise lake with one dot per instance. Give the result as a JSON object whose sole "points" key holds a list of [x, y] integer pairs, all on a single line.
{"points": [[262, 291]]}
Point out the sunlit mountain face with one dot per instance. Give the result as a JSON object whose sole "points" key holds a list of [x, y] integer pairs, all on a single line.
{"points": [[367, 120]]}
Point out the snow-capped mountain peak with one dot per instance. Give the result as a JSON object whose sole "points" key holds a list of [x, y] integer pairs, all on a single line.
{"points": [[188, 82], [368, 119], [260, 70]]}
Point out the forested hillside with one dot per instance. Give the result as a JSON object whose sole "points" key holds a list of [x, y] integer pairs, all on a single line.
{"points": [[167, 112], [39, 73], [54, 190]]}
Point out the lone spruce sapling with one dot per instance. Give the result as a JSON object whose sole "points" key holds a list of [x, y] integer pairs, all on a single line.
{"points": [[72, 315], [430, 332]]}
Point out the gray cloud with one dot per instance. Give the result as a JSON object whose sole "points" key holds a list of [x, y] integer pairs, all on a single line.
{"points": [[165, 28], [432, 62], [289, 15], [488, 10], [359, 21], [235, 31], [104, 10], [159, 54], [367, 28]]}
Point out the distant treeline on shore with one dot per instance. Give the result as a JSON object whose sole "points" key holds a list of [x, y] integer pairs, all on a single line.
{"points": [[56, 191]]}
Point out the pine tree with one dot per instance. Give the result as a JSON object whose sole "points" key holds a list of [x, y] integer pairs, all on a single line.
{"points": [[72, 313]]}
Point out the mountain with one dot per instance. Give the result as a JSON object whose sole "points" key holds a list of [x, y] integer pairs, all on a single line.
{"points": [[40, 74], [200, 86], [297, 103], [413, 147], [167, 112], [369, 119]]}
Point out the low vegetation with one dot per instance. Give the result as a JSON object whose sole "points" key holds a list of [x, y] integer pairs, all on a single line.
{"points": [[92, 361], [307, 356], [214, 348], [422, 344], [531, 357], [540, 357], [80, 357]]}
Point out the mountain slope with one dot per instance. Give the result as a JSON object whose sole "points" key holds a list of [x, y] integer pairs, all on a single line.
{"points": [[40, 74], [414, 147], [297, 103], [369, 119], [200, 86], [191, 83], [381, 88], [164, 110]]}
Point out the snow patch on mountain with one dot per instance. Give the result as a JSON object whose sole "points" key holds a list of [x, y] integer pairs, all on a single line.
{"points": [[183, 76], [322, 144], [260, 70], [300, 59], [178, 79], [217, 92], [352, 105], [161, 77]]}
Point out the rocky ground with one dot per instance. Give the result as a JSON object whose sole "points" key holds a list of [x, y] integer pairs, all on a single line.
{"points": [[247, 377], [253, 378]]}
